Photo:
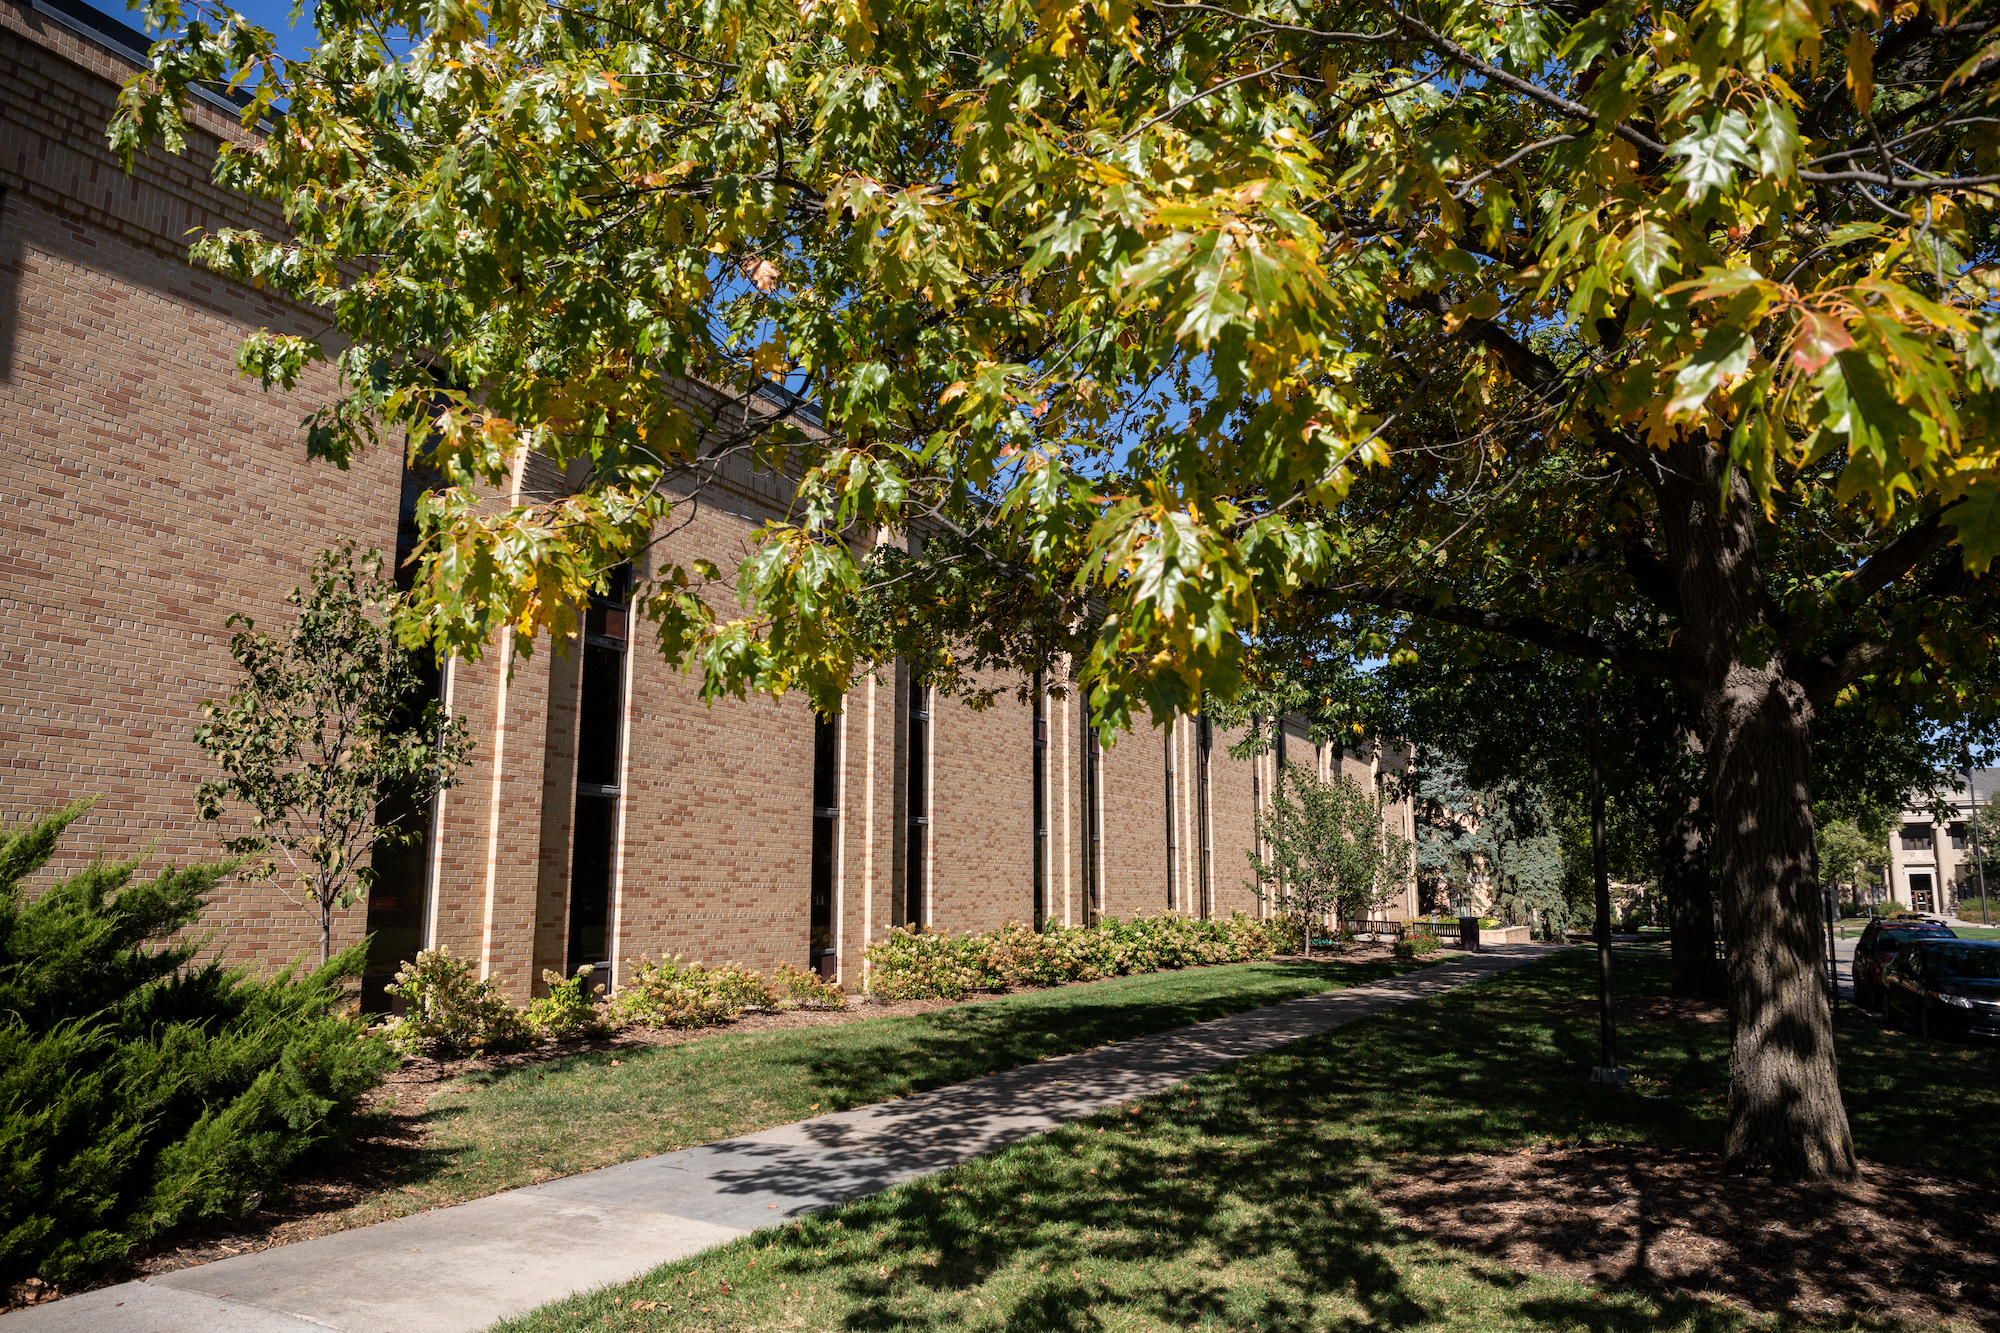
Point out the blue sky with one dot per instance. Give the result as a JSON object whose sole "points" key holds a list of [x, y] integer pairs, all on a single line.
{"points": [[276, 15], [272, 14]]}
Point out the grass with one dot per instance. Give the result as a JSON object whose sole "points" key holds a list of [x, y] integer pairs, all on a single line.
{"points": [[506, 1128], [1243, 1199]]}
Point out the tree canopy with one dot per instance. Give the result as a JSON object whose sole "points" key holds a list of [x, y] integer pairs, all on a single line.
{"points": [[1656, 333]]}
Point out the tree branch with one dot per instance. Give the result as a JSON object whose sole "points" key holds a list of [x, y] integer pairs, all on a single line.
{"points": [[1880, 570], [1528, 629]]}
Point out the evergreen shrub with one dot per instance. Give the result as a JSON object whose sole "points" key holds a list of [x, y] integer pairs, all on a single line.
{"points": [[141, 1091], [913, 965]]}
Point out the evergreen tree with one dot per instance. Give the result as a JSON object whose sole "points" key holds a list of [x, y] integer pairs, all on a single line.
{"points": [[141, 1090]]}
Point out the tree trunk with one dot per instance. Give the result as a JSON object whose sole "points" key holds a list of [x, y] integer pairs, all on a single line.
{"points": [[1607, 1014], [1785, 1113], [1684, 881]]}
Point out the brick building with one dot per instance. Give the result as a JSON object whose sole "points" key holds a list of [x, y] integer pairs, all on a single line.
{"points": [[147, 492]]}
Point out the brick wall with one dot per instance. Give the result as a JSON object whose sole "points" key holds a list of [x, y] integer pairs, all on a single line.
{"points": [[146, 492], [982, 827]]}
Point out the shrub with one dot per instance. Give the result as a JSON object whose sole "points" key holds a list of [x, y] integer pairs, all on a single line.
{"points": [[934, 965], [1419, 944], [794, 988], [567, 1011], [673, 994], [450, 1013], [913, 965], [140, 1092]]}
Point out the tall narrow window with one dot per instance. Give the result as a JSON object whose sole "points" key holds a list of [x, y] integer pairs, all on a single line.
{"points": [[1040, 817], [600, 717], [1093, 833], [916, 838], [1172, 897], [1204, 741], [1257, 799], [826, 822]]}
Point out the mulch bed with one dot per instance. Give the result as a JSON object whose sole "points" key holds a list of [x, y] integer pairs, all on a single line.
{"points": [[316, 1200], [1900, 1243]]}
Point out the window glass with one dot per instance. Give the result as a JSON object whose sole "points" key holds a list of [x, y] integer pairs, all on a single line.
{"points": [[600, 718], [1966, 962], [590, 879], [826, 816], [916, 829], [600, 710]]}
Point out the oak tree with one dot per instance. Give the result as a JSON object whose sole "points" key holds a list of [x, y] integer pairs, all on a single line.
{"points": [[1186, 318]]}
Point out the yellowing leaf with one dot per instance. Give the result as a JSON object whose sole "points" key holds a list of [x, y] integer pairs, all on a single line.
{"points": [[1861, 70], [1723, 353], [1483, 306]]}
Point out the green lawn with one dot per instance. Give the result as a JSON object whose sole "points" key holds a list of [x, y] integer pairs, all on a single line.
{"points": [[1243, 1201], [499, 1130]]}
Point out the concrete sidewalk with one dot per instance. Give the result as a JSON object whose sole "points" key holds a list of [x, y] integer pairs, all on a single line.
{"points": [[458, 1269]]}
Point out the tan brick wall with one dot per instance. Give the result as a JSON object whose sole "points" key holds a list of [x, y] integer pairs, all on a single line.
{"points": [[982, 825], [1135, 825], [146, 492]]}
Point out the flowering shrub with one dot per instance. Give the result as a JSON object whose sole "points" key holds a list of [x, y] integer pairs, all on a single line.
{"points": [[913, 965], [674, 994], [567, 1010], [449, 1012], [793, 988], [1420, 944], [926, 965]]}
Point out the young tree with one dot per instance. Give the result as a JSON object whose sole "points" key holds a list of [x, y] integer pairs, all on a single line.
{"points": [[1190, 319], [1846, 853], [329, 722], [1326, 850]]}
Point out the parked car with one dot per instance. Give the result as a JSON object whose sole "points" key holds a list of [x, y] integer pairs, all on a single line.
{"points": [[1943, 986], [1877, 947]]}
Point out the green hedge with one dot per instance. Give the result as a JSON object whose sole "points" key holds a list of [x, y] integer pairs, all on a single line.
{"points": [[926, 965], [140, 1091]]}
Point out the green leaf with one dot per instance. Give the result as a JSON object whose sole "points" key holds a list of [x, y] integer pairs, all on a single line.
{"points": [[1647, 251], [1777, 138], [1978, 521], [1711, 153], [1724, 352]]}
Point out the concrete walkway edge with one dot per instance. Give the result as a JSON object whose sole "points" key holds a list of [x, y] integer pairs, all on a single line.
{"points": [[460, 1269]]}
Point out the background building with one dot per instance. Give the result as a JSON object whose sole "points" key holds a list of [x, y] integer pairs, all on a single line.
{"points": [[1931, 866], [607, 813]]}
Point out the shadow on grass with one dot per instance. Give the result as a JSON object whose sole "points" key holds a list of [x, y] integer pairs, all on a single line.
{"points": [[1244, 1199], [498, 1128]]}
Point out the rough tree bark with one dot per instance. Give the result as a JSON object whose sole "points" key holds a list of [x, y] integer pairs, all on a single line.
{"points": [[1786, 1117]]}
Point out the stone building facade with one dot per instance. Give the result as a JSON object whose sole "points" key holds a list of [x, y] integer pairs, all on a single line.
{"points": [[1932, 868], [607, 813]]}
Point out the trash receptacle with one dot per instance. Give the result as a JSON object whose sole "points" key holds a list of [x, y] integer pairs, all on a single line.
{"points": [[1468, 933]]}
